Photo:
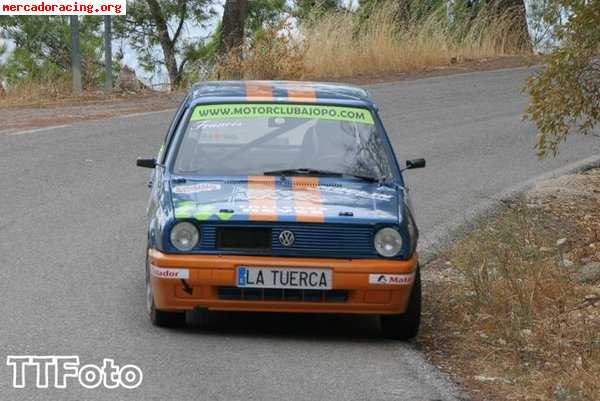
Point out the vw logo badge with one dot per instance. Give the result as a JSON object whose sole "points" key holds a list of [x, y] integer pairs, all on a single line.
{"points": [[287, 238]]}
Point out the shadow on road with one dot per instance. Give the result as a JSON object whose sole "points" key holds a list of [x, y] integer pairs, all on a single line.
{"points": [[287, 325]]}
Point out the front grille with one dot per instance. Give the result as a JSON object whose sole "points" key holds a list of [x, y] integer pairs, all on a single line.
{"points": [[311, 240], [273, 294], [326, 240], [244, 238]]}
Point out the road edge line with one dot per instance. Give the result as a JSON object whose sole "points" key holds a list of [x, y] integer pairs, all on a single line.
{"points": [[442, 237], [53, 127], [378, 85]]}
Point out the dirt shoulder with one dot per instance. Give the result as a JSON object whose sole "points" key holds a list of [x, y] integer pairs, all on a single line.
{"points": [[513, 309], [459, 66], [54, 112], [89, 107]]}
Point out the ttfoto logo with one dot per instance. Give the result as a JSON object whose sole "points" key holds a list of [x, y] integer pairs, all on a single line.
{"points": [[55, 371]]}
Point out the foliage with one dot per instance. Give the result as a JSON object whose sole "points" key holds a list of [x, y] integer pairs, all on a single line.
{"points": [[403, 11], [152, 23], [260, 17], [42, 50], [274, 54], [263, 14], [309, 9], [565, 94], [466, 9]]}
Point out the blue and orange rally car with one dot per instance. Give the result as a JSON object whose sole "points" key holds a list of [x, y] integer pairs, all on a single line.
{"points": [[281, 197]]}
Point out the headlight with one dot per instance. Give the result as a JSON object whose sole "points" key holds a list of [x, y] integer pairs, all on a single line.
{"points": [[388, 242], [184, 236]]}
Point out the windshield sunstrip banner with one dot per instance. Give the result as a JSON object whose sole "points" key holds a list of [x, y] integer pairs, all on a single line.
{"points": [[246, 110]]}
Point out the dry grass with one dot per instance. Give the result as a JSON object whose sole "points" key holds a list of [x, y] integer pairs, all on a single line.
{"points": [[338, 46], [342, 45], [58, 93], [507, 319], [35, 92]]}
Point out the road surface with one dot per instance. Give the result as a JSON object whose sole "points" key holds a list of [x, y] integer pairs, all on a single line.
{"points": [[72, 232]]}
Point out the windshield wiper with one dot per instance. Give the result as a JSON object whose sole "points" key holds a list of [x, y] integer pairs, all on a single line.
{"points": [[302, 171], [316, 172]]}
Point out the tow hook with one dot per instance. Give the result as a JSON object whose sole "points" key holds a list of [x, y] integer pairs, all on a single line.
{"points": [[186, 287]]}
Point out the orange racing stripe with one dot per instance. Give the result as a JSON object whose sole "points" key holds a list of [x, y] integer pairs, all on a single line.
{"points": [[262, 198], [307, 95], [307, 200], [259, 91]]}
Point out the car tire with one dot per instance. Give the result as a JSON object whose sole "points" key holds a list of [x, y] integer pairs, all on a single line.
{"points": [[405, 326], [158, 317]]}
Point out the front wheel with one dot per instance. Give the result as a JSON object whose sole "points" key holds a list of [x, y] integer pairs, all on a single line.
{"points": [[158, 317], [406, 325]]}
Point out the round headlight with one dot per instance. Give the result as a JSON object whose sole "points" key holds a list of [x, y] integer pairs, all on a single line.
{"points": [[184, 236], [388, 242]]}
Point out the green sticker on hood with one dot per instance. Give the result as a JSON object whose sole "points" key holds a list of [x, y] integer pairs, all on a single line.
{"points": [[204, 212], [184, 210], [226, 215]]}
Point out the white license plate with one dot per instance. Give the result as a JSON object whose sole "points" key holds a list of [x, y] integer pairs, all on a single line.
{"points": [[283, 277]]}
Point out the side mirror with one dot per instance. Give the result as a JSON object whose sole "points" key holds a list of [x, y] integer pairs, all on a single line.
{"points": [[147, 163], [415, 163]]}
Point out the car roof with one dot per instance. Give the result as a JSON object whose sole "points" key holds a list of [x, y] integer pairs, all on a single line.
{"points": [[279, 91]]}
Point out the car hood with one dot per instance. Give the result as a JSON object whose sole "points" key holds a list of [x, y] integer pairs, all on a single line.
{"points": [[278, 199]]}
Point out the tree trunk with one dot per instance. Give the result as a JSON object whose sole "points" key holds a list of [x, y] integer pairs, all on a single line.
{"points": [[518, 6], [232, 25], [171, 64], [166, 43]]}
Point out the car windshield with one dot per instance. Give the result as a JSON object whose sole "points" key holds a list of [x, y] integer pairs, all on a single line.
{"points": [[287, 139]]}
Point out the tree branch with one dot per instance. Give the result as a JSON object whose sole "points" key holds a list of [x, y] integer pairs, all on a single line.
{"points": [[182, 16]]}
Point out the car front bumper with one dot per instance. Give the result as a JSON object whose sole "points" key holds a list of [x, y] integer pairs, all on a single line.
{"points": [[208, 277]]}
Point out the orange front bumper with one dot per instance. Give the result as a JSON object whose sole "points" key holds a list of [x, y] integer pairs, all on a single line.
{"points": [[206, 273]]}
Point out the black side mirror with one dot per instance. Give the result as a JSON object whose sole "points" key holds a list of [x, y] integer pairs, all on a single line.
{"points": [[415, 163], [147, 163]]}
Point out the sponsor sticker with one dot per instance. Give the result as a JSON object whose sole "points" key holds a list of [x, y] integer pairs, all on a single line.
{"points": [[218, 124], [356, 193], [169, 273], [311, 194], [201, 187], [391, 279], [249, 110]]}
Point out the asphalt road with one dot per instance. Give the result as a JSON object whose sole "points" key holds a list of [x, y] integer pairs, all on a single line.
{"points": [[72, 230]]}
